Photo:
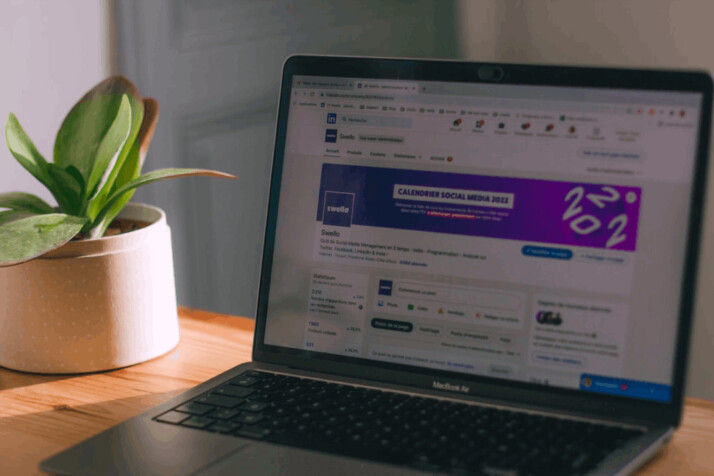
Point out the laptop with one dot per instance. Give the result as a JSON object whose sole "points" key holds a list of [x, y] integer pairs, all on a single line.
{"points": [[468, 269]]}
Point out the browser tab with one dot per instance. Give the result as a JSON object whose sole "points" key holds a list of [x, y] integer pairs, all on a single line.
{"points": [[315, 82], [394, 87]]}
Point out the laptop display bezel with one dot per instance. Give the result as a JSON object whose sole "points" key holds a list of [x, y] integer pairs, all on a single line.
{"points": [[517, 393]]}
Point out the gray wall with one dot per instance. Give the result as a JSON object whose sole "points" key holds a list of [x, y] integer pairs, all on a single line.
{"points": [[214, 66], [52, 53]]}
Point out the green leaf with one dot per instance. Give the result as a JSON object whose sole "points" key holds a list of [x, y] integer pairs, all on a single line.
{"points": [[72, 170], [85, 126], [163, 174], [148, 178], [129, 171], [25, 152], [10, 215], [138, 136], [27, 238], [110, 148], [66, 185], [132, 165], [24, 201]]}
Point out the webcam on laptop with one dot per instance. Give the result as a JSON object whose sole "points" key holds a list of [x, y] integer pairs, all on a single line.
{"points": [[490, 73]]}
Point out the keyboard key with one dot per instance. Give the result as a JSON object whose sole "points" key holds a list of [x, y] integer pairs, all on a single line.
{"points": [[223, 413], [195, 408], [234, 391], [197, 422], [219, 400], [253, 432], [259, 375], [173, 417], [244, 381], [263, 396], [282, 412], [254, 406], [224, 426], [268, 385], [248, 418], [273, 423]]}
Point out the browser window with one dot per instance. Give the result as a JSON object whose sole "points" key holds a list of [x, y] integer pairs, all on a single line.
{"points": [[516, 232]]}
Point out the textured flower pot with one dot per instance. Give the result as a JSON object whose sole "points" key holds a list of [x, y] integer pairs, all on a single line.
{"points": [[92, 305]]}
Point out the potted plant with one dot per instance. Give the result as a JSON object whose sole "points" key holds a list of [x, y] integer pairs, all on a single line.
{"points": [[88, 285]]}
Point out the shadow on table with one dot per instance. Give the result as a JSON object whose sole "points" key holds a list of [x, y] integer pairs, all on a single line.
{"points": [[30, 438], [14, 379]]}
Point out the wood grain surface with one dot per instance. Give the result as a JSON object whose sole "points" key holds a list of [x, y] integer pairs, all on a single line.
{"points": [[41, 415]]}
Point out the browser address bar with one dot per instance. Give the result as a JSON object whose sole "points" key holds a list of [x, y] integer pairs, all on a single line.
{"points": [[375, 121]]}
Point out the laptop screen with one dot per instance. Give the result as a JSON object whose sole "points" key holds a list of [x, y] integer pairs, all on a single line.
{"points": [[527, 233]]}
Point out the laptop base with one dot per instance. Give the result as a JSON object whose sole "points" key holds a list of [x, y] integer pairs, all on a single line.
{"points": [[144, 445]]}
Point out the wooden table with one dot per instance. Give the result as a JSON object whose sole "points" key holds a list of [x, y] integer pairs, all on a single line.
{"points": [[41, 414]]}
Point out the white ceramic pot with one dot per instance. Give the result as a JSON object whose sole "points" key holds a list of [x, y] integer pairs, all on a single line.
{"points": [[92, 305]]}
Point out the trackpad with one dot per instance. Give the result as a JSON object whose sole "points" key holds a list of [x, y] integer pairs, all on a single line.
{"points": [[144, 447], [263, 459]]}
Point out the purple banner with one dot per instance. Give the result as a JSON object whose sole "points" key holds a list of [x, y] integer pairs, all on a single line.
{"points": [[543, 211]]}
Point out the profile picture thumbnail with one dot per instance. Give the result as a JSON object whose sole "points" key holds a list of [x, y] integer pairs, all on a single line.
{"points": [[549, 318]]}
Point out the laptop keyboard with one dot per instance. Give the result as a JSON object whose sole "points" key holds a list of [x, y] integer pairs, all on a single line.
{"points": [[424, 433]]}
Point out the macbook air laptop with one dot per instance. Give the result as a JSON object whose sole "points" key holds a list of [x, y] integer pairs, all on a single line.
{"points": [[468, 268]]}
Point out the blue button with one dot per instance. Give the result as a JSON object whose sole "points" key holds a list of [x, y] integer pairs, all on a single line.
{"points": [[626, 387], [547, 252]]}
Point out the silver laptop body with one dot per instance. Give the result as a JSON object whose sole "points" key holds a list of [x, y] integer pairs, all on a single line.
{"points": [[516, 237]]}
